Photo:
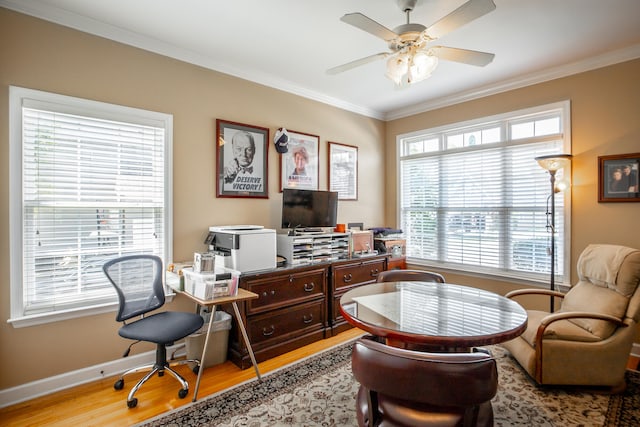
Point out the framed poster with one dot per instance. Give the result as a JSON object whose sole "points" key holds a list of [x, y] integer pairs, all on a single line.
{"points": [[343, 170], [618, 178], [299, 165], [241, 158]]}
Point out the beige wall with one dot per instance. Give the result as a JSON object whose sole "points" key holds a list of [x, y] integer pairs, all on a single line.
{"points": [[40, 55]]}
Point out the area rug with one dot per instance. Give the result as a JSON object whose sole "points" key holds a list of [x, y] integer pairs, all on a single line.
{"points": [[320, 391]]}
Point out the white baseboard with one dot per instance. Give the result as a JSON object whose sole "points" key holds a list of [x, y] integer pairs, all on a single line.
{"points": [[49, 385]]}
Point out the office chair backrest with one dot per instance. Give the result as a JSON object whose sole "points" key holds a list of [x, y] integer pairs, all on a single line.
{"points": [[138, 282], [409, 276]]}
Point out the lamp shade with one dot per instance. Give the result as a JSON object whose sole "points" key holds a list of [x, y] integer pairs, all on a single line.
{"points": [[397, 67], [422, 64], [554, 162], [411, 66]]}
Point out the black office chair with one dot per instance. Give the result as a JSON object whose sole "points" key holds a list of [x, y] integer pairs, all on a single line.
{"points": [[409, 276], [138, 282]]}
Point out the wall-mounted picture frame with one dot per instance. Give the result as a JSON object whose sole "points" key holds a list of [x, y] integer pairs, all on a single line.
{"points": [[618, 178], [241, 160], [299, 165], [343, 170]]}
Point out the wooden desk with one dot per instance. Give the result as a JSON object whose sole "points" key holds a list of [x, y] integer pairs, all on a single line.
{"points": [[242, 295], [433, 316]]}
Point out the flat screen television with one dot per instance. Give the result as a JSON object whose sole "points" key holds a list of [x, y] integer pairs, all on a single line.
{"points": [[309, 208]]}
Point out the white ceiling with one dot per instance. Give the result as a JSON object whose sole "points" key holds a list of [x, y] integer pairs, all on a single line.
{"points": [[289, 44]]}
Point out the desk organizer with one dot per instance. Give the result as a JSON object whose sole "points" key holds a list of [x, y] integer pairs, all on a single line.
{"points": [[222, 282]]}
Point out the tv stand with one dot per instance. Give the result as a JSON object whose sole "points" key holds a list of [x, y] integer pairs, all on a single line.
{"points": [[305, 231], [312, 230]]}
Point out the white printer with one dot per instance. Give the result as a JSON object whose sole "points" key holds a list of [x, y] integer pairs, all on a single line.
{"points": [[244, 247]]}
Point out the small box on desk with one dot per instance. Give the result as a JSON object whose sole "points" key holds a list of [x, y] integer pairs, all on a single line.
{"points": [[395, 247], [221, 282], [361, 241]]}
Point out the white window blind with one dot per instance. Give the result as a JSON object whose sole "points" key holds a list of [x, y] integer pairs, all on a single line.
{"points": [[473, 198], [92, 188]]}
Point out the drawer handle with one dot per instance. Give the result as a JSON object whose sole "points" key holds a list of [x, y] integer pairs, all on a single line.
{"points": [[308, 287], [307, 319], [375, 272], [265, 294], [347, 278], [268, 333]]}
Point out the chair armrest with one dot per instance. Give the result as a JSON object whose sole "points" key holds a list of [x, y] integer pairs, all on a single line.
{"points": [[554, 317], [546, 292]]}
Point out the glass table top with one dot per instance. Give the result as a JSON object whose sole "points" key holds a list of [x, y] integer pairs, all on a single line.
{"points": [[433, 313]]}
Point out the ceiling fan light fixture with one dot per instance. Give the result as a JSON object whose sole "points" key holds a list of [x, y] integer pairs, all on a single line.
{"points": [[411, 67], [397, 67], [422, 65]]}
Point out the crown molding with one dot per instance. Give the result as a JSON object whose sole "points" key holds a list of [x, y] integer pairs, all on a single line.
{"points": [[592, 63], [92, 26]]}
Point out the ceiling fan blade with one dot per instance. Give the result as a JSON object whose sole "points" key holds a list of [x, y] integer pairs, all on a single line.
{"points": [[471, 57], [369, 25], [357, 63], [471, 10]]}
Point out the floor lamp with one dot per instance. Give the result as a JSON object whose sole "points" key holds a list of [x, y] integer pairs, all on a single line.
{"points": [[552, 164]]}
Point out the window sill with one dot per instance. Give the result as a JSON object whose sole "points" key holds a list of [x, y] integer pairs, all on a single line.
{"points": [[44, 318], [503, 277]]}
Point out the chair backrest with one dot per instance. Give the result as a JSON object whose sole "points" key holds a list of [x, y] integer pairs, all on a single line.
{"points": [[409, 276], [138, 282], [608, 279], [436, 379]]}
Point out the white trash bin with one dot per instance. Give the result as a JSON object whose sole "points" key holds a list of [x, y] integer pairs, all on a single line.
{"points": [[218, 341]]}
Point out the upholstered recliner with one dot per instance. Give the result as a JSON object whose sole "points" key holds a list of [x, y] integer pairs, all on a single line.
{"points": [[401, 387], [587, 341]]}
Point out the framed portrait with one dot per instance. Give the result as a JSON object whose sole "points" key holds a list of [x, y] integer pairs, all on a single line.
{"points": [[299, 165], [241, 159], [618, 178], [343, 170]]}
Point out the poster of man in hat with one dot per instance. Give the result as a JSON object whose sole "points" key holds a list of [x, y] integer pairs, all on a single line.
{"points": [[300, 162]]}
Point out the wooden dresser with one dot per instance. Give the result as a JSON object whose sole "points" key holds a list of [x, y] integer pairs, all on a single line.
{"points": [[296, 305], [347, 275]]}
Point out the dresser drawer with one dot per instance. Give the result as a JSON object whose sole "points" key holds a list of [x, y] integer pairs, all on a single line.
{"points": [[286, 323], [284, 290], [359, 273]]}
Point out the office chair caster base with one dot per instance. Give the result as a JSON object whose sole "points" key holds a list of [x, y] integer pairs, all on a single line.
{"points": [[183, 393], [132, 403], [119, 385], [196, 369]]}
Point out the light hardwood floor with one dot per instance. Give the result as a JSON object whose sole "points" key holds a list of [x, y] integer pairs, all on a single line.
{"points": [[98, 404]]}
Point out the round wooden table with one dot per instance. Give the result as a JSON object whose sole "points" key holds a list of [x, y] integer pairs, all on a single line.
{"points": [[433, 316]]}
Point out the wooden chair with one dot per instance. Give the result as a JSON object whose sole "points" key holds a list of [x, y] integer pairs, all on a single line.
{"points": [[409, 276], [401, 387]]}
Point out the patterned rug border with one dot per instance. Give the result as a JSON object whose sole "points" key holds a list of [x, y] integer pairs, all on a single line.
{"points": [[306, 369]]}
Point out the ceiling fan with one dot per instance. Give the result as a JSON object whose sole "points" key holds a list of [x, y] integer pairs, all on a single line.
{"points": [[410, 58]]}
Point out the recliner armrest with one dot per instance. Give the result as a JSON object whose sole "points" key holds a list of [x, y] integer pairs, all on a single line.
{"points": [[546, 292]]}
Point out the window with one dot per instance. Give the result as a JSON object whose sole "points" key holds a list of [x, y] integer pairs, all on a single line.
{"points": [[89, 182], [473, 198]]}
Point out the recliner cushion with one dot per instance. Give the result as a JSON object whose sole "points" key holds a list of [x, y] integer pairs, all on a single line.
{"points": [[560, 330], [602, 264], [586, 296]]}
